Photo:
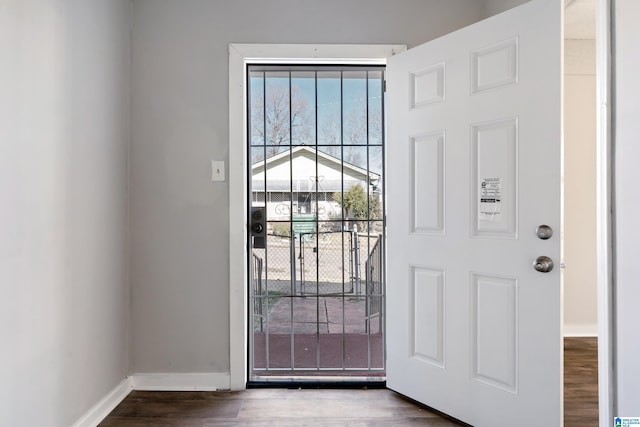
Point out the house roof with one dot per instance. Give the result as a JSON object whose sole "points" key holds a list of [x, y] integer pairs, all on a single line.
{"points": [[301, 149]]}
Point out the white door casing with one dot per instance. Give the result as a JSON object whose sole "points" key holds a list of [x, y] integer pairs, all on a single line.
{"points": [[472, 329], [239, 56]]}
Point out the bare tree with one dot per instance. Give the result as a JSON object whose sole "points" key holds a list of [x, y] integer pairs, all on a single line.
{"points": [[357, 129], [329, 133], [281, 119], [287, 117]]}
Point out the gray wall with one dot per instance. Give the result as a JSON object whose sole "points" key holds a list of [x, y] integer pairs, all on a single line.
{"points": [[64, 311], [179, 218], [627, 206], [492, 7]]}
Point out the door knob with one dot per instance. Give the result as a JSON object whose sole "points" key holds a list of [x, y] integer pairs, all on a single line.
{"points": [[543, 264]]}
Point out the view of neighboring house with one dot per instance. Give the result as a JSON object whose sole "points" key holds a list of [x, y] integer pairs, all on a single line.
{"points": [[293, 183]]}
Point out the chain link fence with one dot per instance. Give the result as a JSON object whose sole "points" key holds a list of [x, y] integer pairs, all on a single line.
{"points": [[329, 263], [325, 263]]}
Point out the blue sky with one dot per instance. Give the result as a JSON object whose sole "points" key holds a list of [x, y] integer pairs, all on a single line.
{"points": [[354, 96], [328, 102]]}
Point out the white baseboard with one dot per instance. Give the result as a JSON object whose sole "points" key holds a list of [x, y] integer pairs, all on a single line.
{"points": [[100, 410], [153, 382], [580, 331], [181, 382]]}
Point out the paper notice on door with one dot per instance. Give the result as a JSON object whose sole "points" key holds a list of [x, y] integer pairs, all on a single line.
{"points": [[490, 198]]}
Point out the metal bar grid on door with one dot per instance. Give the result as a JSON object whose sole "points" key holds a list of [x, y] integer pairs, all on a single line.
{"points": [[316, 156]]}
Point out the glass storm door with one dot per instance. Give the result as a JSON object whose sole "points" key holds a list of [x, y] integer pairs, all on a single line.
{"points": [[317, 261]]}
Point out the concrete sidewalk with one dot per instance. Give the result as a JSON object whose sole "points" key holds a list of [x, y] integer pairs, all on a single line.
{"points": [[324, 315]]}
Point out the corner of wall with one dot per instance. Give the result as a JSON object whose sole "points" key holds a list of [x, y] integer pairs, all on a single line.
{"points": [[100, 410]]}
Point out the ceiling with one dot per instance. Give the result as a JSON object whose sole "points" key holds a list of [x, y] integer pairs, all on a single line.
{"points": [[580, 19]]}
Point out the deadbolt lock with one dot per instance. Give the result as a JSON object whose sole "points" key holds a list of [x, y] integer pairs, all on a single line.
{"points": [[258, 227], [544, 232]]}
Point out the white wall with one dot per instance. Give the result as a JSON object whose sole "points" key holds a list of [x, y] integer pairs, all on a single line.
{"points": [[64, 308], [179, 218], [580, 288], [627, 205]]}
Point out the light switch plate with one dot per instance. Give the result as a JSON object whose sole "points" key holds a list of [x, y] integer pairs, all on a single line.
{"points": [[217, 170]]}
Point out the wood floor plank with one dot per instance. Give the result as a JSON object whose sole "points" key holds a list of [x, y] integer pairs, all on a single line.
{"points": [[581, 382], [337, 422], [277, 407], [336, 407]]}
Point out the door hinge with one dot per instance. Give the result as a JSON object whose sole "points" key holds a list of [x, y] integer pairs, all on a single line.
{"points": [[384, 86]]}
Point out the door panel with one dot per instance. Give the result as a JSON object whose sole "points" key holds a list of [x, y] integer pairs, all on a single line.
{"points": [[427, 183], [474, 137]]}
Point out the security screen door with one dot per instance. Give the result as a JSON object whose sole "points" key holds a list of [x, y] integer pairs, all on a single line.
{"points": [[473, 169], [316, 169]]}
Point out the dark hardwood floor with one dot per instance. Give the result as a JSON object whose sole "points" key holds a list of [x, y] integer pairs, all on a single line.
{"points": [[580, 382], [271, 407], [331, 407]]}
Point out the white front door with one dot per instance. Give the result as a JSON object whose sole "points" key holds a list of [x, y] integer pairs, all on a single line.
{"points": [[474, 162]]}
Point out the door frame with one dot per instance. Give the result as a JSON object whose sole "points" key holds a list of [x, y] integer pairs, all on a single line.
{"points": [[239, 56], [607, 398], [242, 54]]}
